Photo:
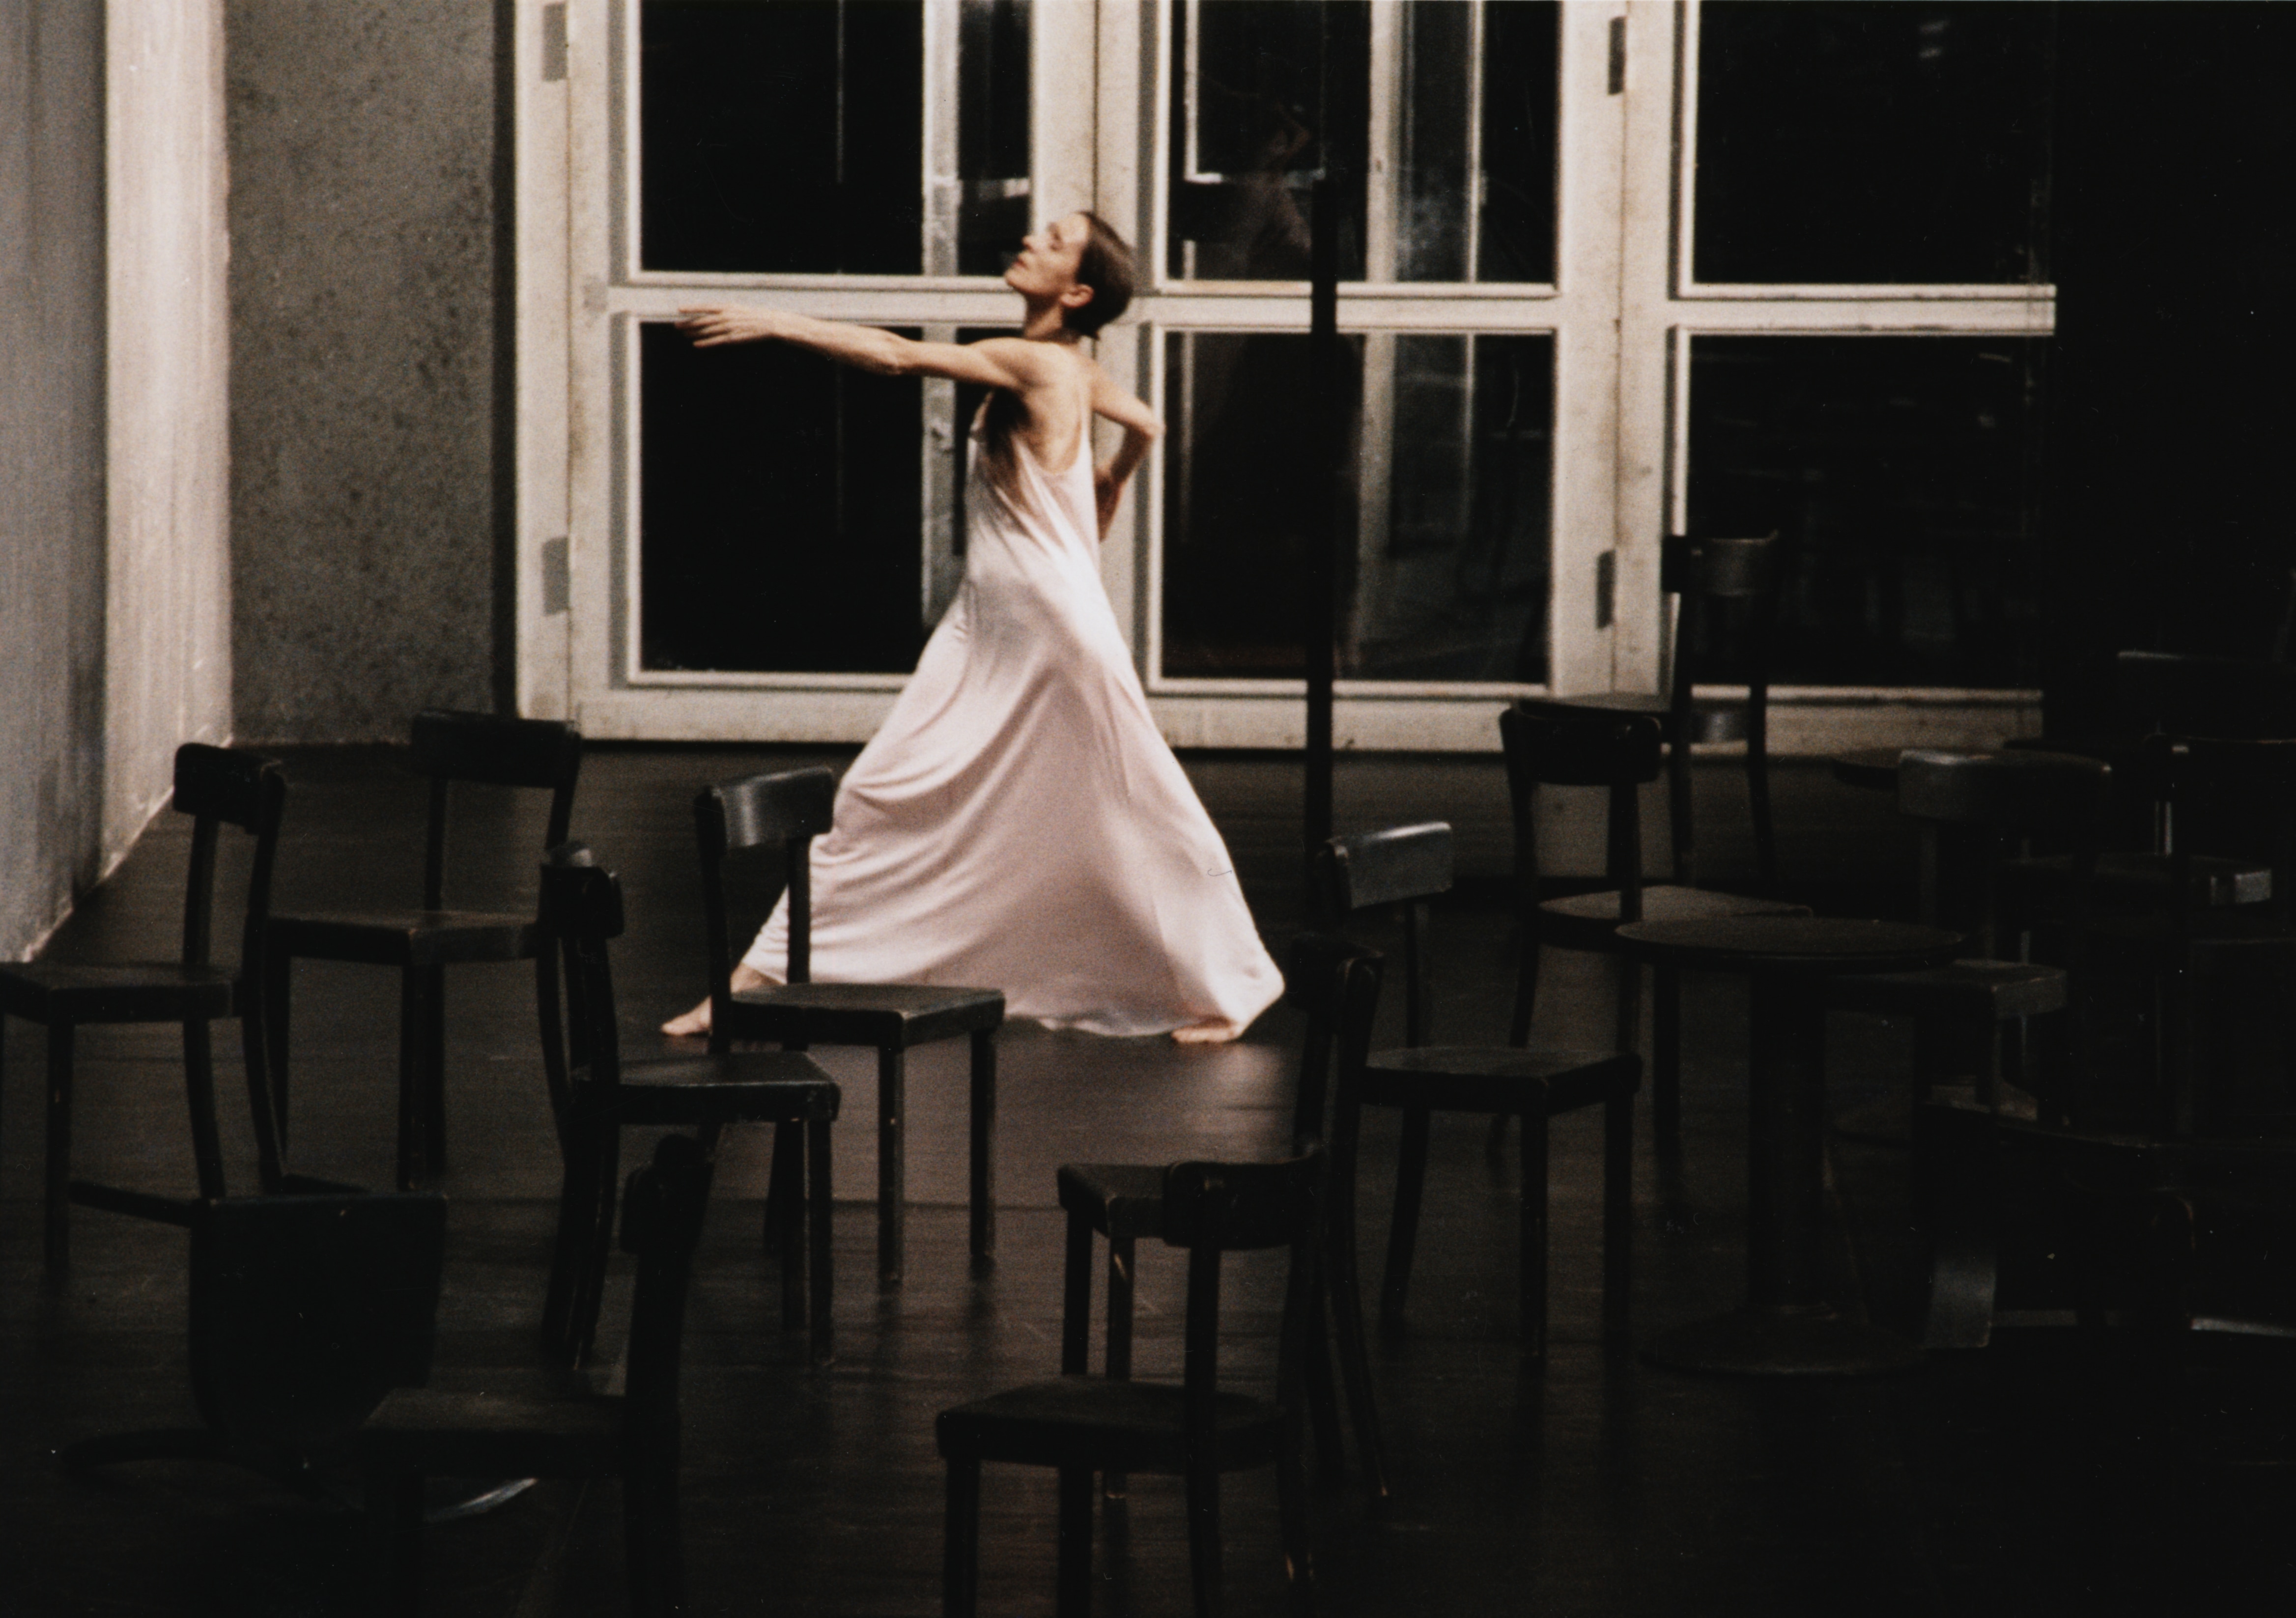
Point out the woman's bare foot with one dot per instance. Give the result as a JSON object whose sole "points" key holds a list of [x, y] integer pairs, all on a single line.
{"points": [[1212, 1031], [696, 1023]]}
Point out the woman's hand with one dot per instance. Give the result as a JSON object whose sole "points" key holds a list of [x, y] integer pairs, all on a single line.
{"points": [[714, 326]]}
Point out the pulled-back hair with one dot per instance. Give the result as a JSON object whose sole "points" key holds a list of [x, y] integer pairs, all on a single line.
{"points": [[1106, 267]]}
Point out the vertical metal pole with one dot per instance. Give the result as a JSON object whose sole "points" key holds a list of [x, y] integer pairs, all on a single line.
{"points": [[1322, 537]]}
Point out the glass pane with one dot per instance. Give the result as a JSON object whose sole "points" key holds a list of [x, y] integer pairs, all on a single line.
{"points": [[1905, 469], [1266, 94], [1444, 531], [1516, 241], [992, 134], [778, 524], [1845, 141], [1437, 157], [782, 136]]}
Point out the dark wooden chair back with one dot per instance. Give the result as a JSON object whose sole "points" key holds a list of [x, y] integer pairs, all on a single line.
{"points": [[1335, 982], [220, 786], [2047, 793], [787, 809], [662, 1207], [2257, 779], [486, 750], [1216, 1208], [1404, 867], [581, 909], [306, 1311], [1618, 754], [2170, 693], [1726, 591]]}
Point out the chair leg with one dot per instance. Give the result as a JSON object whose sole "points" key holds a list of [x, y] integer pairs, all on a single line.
{"points": [[1297, 1524], [569, 1254], [1678, 810], [394, 1527], [656, 1553], [984, 1140], [1076, 1296], [1666, 1052], [892, 1166], [1119, 1330], [1204, 1492], [278, 970], [1525, 990], [57, 1188], [787, 1231], [817, 1229], [1345, 1294], [1323, 1393], [199, 1095], [960, 1565], [433, 1068], [1403, 1230], [410, 1046], [1758, 800], [603, 1191], [1618, 1217], [1073, 1598], [1533, 1257]]}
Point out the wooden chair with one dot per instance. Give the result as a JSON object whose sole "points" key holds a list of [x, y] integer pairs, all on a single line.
{"points": [[306, 1311], [787, 810], [422, 1433], [1619, 754], [216, 787], [1197, 1429], [1336, 985], [1709, 579], [596, 1096], [1403, 867], [422, 942]]}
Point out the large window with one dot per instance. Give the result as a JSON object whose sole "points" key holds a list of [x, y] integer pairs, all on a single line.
{"points": [[1609, 269]]}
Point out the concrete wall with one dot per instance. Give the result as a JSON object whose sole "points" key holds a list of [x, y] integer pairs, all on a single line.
{"points": [[52, 443], [167, 601], [364, 572]]}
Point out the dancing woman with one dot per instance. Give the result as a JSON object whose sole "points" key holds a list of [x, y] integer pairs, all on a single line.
{"points": [[1018, 821]]}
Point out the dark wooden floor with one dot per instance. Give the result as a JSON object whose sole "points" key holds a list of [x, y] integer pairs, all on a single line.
{"points": [[1991, 1483]]}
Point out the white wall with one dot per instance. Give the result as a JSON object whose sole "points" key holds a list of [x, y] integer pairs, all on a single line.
{"points": [[167, 604]]}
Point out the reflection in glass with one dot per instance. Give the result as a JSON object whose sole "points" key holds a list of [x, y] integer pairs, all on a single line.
{"points": [[1444, 540], [782, 136], [992, 134], [1847, 141], [1266, 95], [1904, 470], [777, 512], [1516, 238]]}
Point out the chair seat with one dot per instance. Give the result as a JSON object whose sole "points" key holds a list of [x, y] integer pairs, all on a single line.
{"points": [[1497, 1078], [139, 991], [882, 1014], [764, 1087], [465, 1434], [1122, 1200], [1115, 1427], [1972, 989], [2145, 881], [407, 938], [1586, 920]]}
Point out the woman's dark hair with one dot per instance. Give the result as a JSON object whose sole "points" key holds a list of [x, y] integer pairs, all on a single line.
{"points": [[1105, 266]]}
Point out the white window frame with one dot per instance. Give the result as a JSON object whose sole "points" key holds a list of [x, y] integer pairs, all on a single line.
{"points": [[1623, 310]]}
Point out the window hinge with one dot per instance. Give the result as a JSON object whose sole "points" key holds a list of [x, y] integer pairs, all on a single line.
{"points": [[1606, 588], [557, 582], [1618, 55]]}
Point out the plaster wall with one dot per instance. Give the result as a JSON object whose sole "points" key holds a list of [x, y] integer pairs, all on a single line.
{"points": [[362, 148], [168, 602], [52, 446]]}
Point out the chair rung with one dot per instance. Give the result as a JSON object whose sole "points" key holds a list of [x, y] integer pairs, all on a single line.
{"points": [[135, 1204]]}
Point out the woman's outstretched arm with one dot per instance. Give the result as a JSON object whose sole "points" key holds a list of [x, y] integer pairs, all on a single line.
{"points": [[998, 362]]}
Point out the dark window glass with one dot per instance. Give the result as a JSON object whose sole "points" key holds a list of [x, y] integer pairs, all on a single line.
{"points": [[1436, 177], [992, 134], [778, 521], [1904, 471], [1443, 571], [1516, 242], [782, 136], [1281, 92], [1853, 141]]}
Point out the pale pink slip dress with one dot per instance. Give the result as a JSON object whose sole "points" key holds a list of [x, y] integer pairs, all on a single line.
{"points": [[1018, 821]]}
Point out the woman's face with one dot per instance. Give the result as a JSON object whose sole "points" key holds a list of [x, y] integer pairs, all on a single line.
{"points": [[1046, 265]]}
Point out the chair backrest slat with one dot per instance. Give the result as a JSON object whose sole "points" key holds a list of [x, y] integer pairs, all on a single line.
{"points": [[1621, 754], [1389, 866], [486, 750], [786, 808]]}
